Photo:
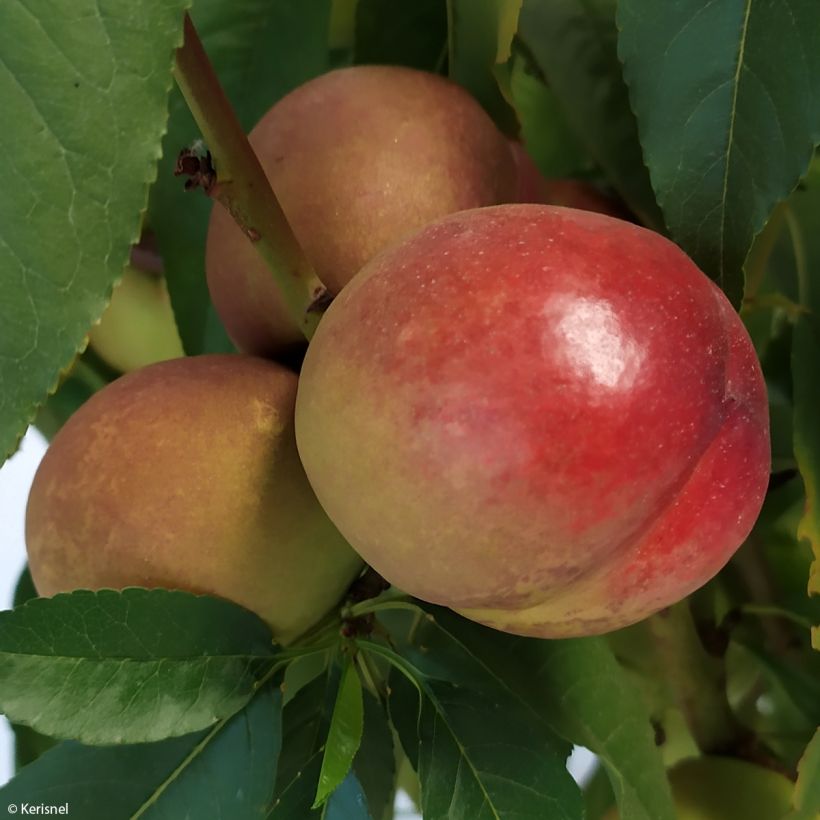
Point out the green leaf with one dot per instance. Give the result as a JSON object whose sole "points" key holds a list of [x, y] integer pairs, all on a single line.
{"points": [[375, 762], [261, 50], [402, 32], [84, 88], [226, 771], [24, 591], [306, 720], [801, 683], [574, 44], [131, 666], [803, 214], [75, 389], [344, 735], [727, 97], [480, 34], [581, 689], [29, 745], [348, 802], [481, 751], [806, 800], [545, 131]]}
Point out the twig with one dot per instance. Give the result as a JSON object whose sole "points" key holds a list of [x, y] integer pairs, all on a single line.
{"points": [[241, 185]]}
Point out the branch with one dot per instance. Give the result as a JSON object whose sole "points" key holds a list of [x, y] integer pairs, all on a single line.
{"points": [[243, 188]]}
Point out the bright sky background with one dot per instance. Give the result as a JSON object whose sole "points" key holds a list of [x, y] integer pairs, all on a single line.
{"points": [[15, 479]]}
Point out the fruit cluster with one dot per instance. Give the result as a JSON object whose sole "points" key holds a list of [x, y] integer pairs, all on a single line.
{"points": [[545, 418]]}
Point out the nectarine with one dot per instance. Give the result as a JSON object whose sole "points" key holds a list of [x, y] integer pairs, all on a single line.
{"points": [[358, 158], [547, 419], [185, 475]]}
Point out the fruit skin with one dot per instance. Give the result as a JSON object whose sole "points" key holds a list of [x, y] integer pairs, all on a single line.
{"points": [[358, 157], [185, 475], [722, 788], [544, 418], [138, 327]]}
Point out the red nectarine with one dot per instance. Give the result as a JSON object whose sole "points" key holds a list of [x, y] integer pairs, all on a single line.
{"points": [[547, 419]]}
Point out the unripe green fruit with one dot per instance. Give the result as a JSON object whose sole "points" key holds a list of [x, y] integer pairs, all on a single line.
{"points": [[546, 419], [138, 327], [722, 788], [185, 475], [358, 158]]}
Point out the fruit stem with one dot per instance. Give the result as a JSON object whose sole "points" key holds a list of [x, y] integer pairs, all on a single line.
{"points": [[697, 681], [241, 185]]}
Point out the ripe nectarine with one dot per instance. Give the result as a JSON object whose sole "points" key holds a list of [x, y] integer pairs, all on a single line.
{"points": [[547, 419], [358, 158], [185, 475]]}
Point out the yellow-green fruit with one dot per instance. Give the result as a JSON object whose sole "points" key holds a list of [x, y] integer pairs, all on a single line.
{"points": [[138, 326], [185, 475], [722, 788]]}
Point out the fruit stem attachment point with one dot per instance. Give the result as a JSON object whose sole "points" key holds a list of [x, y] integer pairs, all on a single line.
{"points": [[241, 185]]}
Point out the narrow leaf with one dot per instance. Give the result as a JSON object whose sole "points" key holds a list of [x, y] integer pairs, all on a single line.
{"points": [[131, 666], [344, 735], [226, 771], [480, 33], [375, 762], [727, 97], [84, 88], [803, 216], [306, 721], [574, 44]]}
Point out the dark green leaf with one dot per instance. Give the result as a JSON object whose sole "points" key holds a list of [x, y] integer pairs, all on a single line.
{"points": [[402, 32], [29, 745], [482, 751], [131, 666], [261, 50], [480, 34], [227, 771], [306, 721], [75, 389], [727, 97], [84, 88], [374, 764], [24, 591], [344, 735], [574, 44], [348, 802], [581, 689]]}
